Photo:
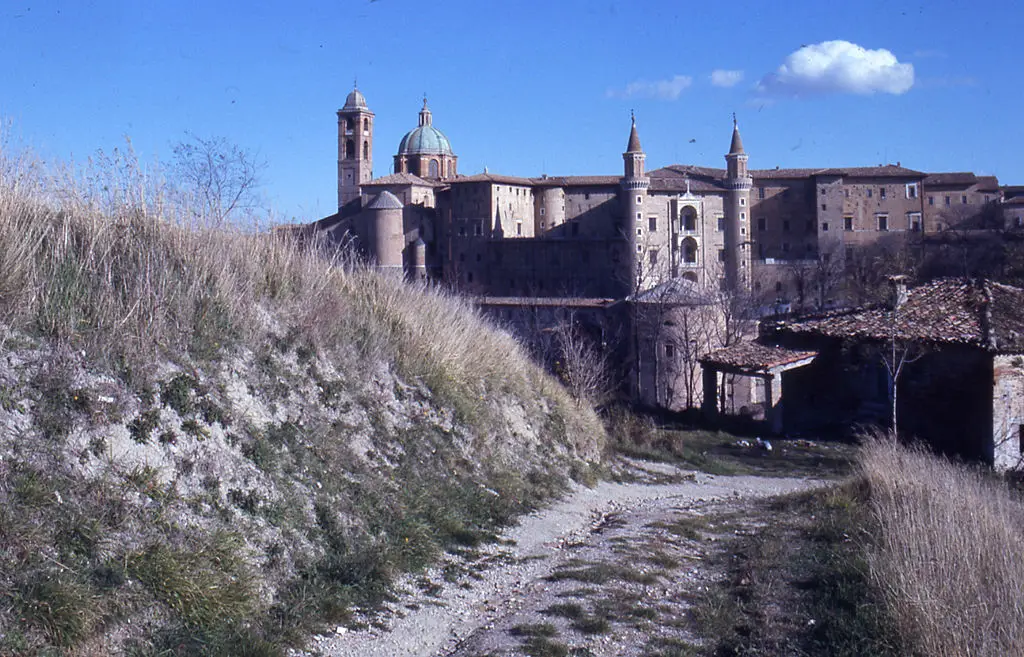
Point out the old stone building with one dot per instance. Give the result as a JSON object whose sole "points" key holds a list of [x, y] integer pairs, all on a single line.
{"points": [[949, 355], [598, 237]]}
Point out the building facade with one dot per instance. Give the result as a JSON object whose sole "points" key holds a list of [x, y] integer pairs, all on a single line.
{"points": [[599, 237]]}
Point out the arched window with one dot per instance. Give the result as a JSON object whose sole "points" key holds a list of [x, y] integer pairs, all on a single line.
{"points": [[690, 251], [689, 218], [366, 150], [690, 276], [366, 125], [434, 170], [350, 150], [349, 125]]}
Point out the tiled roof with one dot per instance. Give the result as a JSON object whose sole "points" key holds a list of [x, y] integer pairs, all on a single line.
{"points": [[675, 291], [889, 170], [491, 178], [755, 356], [965, 178], [577, 181], [556, 302], [687, 171], [979, 313], [988, 184], [402, 179], [782, 173], [385, 201]]}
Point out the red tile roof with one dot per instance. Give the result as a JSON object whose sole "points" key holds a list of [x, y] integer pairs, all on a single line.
{"points": [[978, 313], [755, 357]]}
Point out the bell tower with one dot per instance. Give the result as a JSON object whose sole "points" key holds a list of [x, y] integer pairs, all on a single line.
{"points": [[355, 147]]}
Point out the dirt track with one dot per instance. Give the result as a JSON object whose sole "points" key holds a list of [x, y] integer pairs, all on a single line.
{"points": [[604, 571]]}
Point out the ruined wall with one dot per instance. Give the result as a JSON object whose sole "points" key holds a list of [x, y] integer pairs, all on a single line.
{"points": [[1008, 410]]}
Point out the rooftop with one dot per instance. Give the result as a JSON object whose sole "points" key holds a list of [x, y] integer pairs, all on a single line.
{"points": [[978, 313], [756, 357]]}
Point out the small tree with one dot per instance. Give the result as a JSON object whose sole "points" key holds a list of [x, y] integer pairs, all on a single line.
{"points": [[220, 178], [582, 365], [898, 351]]}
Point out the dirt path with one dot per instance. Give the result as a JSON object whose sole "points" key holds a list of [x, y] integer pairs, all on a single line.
{"points": [[604, 571]]}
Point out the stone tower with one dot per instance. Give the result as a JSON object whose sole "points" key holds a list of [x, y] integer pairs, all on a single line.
{"points": [[386, 233], [355, 147], [634, 189], [738, 182]]}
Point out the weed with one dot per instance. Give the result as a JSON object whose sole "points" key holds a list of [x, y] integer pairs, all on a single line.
{"points": [[178, 394], [56, 603], [143, 426]]}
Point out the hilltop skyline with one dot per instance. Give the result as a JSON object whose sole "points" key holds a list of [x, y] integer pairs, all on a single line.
{"points": [[524, 89]]}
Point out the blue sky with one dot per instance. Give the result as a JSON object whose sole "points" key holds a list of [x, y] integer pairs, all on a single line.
{"points": [[522, 88]]}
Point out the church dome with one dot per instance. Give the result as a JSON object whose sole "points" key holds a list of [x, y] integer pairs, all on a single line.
{"points": [[355, 100], [425, 139]]}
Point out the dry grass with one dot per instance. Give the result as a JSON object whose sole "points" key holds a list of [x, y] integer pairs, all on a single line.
{"points": [[106, 265], [948, 552]]}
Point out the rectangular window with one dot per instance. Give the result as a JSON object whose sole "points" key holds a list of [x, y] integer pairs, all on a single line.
{"points": [[760, 192], [914, 221], [721, 255], [542, 212], [653, 255], [670, 350], [639, 199], [947, 201], [824, 226], [762, 223], [639, 231], [911, 190], [743, 201], [963, 199], [652, 223], [846, 193], [743, 216], [824, 206], [519, 228], [870, 193], [478, 229], [847, 223], [931, 200], [881, 192], [721, 223], [586, 196], [883, 221]]}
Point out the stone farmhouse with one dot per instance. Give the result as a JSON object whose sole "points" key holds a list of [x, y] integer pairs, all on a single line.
{"points": [[524, 246], [961, 386]]}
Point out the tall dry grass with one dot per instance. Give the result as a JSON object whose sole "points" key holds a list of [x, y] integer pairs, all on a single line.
{"points": [[949, 556], [108, 259]]}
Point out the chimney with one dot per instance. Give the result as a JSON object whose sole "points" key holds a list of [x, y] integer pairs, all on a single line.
{"points": [[897, 291]]}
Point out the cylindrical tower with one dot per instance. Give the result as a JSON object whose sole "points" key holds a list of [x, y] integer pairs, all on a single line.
{"points": [[737, 216], [387, 233], [634, 190], [419, 260], [550, 208]]}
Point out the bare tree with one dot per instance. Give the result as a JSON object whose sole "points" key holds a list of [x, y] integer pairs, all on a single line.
{"points": [[898, 351], [817, 280], [221, 178], [582, 366]]}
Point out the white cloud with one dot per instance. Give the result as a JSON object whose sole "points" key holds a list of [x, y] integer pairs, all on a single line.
{"points": [[660, 89], [839, 67], [723, 78]]}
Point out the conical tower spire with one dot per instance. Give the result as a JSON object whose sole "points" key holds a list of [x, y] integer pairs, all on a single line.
{"points": [[634, 139], [737, 143]]}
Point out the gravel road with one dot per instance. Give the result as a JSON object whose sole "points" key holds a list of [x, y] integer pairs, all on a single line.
{"points": [[472, 605]]}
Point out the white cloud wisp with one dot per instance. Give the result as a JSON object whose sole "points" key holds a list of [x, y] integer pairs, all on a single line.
{"points": [[838, 67], [658, 89], [725, 78]]}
